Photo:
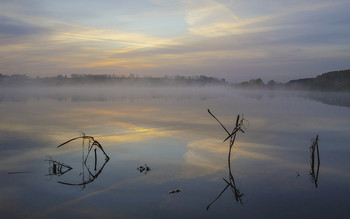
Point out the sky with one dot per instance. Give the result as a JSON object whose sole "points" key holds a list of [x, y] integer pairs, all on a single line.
{"points": [[237, 40]]}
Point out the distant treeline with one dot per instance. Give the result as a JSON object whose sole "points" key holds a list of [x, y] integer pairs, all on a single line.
{"points": [[259, 83], [330, 81], [88, 79]]}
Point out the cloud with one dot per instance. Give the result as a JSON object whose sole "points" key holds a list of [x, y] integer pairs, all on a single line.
{"points": [[11, 28], [230, 39], [208, 18], [56, 44], [212, 19]]}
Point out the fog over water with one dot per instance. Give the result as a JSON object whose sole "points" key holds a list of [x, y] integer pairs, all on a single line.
{"points": [[115, 93], [169, 130]]}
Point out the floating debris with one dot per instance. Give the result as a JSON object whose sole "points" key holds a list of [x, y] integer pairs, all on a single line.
{"points": [[141, 169], [144, 168], [147, 168], [175, 191], [18, 172]]}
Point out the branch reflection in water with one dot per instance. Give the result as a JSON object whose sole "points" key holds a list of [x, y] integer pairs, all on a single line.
{"points": [[313, 149], [231, 136], [58, 168]]}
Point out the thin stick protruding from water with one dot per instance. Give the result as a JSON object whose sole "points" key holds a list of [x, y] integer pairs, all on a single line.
{"points": [[219, 122], [231, 183]]}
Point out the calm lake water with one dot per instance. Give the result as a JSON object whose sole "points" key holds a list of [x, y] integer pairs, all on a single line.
{"points": [[171, 132]]}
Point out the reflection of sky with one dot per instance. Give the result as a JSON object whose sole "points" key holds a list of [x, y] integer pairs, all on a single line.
{"points": [[183, 145]]}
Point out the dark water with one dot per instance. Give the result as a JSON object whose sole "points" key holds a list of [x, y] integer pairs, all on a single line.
{"points": [[171, 132]]}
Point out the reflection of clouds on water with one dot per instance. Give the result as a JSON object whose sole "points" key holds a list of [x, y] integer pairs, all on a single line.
{"points": [[133, 115], [212, 153], [135, 134], [206, 153], [15, 140], [258, 151], [178, 140], [20, 148], [22, 160]]}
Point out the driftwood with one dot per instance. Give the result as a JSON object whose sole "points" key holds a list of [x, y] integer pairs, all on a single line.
{"points": [[174, 191]]}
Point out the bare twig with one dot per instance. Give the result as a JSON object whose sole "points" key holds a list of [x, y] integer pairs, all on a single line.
{"points": [[313, 148], [219, 122], [232, 137], [92, 143], [83, 137]]}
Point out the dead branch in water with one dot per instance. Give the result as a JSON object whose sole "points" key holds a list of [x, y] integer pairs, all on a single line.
{"points": [[313, 149], [219, 122], [232, 136], [92, 143], [91, 139], [58, 168]]}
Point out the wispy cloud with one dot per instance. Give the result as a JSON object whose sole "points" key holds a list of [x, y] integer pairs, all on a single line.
{"points": [[73, 45], [202, 36], [212, 19]]}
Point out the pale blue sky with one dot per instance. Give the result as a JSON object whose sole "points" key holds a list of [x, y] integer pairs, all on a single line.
{"points": [[237, 40]]}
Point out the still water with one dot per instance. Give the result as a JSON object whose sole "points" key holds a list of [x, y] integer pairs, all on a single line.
{"points": [[160, 154]]}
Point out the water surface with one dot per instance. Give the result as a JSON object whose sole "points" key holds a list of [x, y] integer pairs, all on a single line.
{"points": [[171, 132]]}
